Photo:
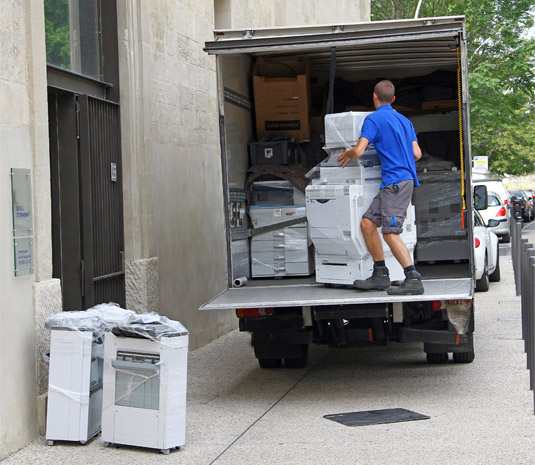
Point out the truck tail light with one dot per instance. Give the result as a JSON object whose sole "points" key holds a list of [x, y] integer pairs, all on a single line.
{"points": [[254, 312], [477, 242], [501, 212], [451, 304]]}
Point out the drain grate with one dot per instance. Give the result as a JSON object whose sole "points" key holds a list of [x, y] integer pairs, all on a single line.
{"points": [[375, 417]]}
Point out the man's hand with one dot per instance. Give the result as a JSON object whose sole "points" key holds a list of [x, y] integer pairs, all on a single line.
{"points": [[355, 152], [346, 157]]}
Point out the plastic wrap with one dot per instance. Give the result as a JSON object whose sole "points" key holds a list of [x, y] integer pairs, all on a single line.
{"points": [[78, 321], [272, 193], [145, 379], [438, 202], [78, 365], [342, 130], [357, 171], [150, 326], [283, 252], [98, 319]]}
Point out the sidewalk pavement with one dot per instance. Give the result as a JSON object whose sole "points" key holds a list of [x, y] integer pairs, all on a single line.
{"points": [[237, 413]]}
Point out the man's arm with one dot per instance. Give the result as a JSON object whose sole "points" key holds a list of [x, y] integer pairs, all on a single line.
{"points": [[355, 152], [417, 150]]}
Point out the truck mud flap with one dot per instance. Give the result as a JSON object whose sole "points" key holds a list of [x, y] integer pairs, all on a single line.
{"points": [[466, 344], [429, 336]]}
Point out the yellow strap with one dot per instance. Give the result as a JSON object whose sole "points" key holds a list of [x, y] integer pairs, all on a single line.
{"points": [[461, 143]]}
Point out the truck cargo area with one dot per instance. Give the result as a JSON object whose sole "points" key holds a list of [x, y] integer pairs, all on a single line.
{"points": [[290, 101], [421, 58]]}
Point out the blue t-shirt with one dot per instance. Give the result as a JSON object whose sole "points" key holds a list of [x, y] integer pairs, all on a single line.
{"points": [[392, 135]]}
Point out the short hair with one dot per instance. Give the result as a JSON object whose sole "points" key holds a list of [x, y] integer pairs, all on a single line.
{"points": [[385, 91]]}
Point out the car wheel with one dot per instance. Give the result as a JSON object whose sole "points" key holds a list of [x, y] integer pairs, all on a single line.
{"points": [[482, 284], [495, 276], [506, 238]]}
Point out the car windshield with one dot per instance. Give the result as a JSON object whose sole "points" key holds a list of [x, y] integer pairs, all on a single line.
{"points": [[493, 200], [517, 194]]}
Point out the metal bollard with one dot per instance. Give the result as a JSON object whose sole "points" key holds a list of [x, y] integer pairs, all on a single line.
{"points": [[519, 264], [532, 345], [515, 255], [531, 322], [527, 306], [524, 287]]}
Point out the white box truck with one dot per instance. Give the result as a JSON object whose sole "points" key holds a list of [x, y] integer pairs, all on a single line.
{"points": [[426, 60]]}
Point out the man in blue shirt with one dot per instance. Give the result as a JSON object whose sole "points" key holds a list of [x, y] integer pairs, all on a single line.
{"points": [[395, 142]]}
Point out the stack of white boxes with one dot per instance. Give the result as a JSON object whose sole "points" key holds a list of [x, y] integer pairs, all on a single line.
{"points": [[284, 252], [335, 202]]}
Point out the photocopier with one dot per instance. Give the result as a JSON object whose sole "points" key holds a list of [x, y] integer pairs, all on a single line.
{"points": [[337, 197]]}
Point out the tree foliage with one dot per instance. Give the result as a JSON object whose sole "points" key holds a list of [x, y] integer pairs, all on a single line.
{"points": [[57, 33], [501, 73]]}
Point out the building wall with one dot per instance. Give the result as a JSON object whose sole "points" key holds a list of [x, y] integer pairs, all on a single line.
{"points": [[24, 301], [235, 14], [171, 154]]}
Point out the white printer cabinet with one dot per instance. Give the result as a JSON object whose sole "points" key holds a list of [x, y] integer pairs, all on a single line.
{"points": [[145, 391], [74, 387]]}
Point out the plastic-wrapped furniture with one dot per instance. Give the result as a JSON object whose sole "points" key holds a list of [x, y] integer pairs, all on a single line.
{"points": [[76, 369], [145, 375]]}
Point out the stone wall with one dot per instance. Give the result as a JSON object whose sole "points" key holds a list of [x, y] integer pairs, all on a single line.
{"points": [[23, 144], [235, 14]]}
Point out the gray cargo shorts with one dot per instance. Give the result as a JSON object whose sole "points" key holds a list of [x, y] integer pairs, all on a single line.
{"points": [[389, 207]]}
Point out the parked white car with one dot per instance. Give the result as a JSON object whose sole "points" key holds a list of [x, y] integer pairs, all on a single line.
{"points": [[486, 253], [498, 210]]}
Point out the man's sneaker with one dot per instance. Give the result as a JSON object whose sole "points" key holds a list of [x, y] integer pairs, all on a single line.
{"points": [[379, 279], [411, 286]]}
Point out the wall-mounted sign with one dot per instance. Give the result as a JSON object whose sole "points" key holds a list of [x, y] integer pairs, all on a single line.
{"points": [[481, 163], [21, 197]]}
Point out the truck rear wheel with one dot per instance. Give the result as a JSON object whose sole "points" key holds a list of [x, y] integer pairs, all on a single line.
{"points": [[437, 358], [270, 362], [464, 357], [299, 362]]}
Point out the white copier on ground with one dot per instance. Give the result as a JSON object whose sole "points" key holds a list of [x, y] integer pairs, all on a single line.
{"points": [[335, 201], [145, 379]]}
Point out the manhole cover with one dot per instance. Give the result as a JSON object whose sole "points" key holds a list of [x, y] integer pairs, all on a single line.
{"points": [[375, 417]]}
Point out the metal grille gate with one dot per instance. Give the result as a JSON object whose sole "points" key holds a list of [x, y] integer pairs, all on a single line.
{"points": [[103, 228], [87, 203]]}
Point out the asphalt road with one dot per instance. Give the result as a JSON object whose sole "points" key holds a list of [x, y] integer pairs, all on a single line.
{"points": [[237, 413]]}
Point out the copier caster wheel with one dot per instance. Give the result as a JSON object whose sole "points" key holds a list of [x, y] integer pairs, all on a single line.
{"points": [[50, 443], [165, 451]]}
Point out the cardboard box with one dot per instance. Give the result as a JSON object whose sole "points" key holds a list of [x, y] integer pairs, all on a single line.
{"points": [[282, 97]]}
